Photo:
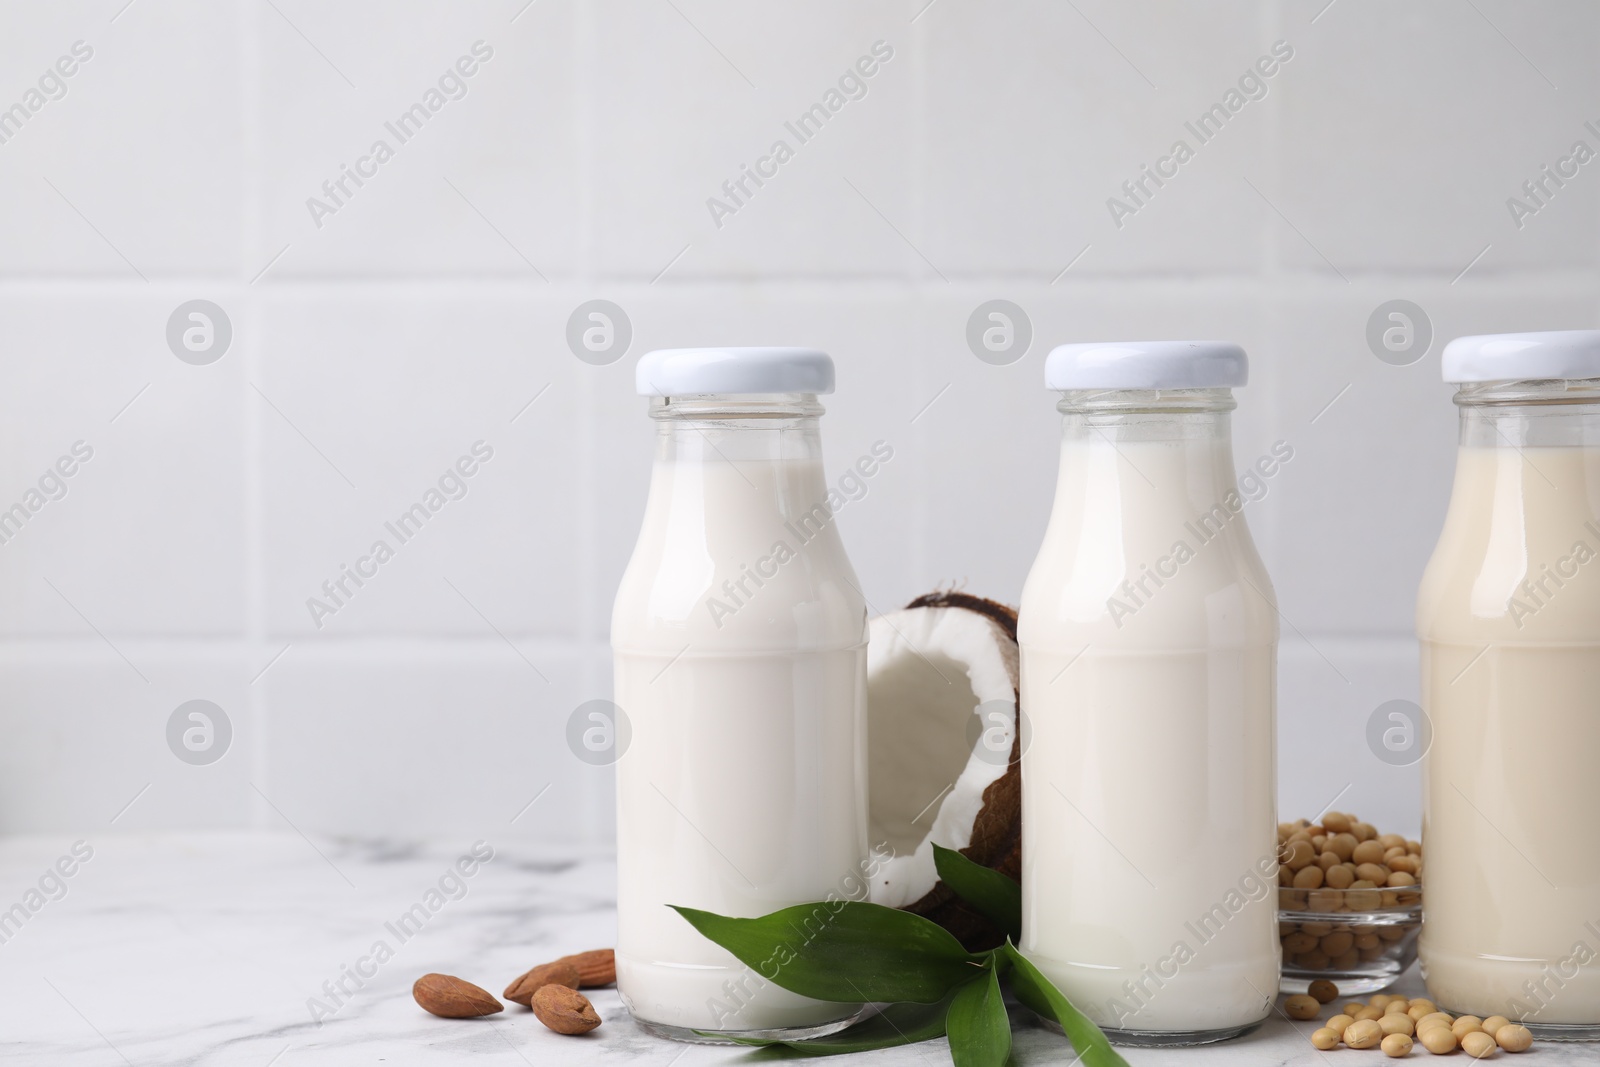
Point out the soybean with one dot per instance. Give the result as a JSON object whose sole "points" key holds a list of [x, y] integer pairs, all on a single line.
{"points": [[1437, 1040], [1302, 1007], [1363, 1033], [1513, 1038], [1396, 1045], [1325, 991]]}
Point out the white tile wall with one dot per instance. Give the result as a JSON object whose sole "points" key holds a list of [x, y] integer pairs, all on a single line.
{"points": [[1413, 123], [1036, 114], [145, 144], [423, 315], [484, 188], [441, 375], [150, 536]]}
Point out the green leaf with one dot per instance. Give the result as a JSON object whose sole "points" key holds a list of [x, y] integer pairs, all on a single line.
{"points": [[845, 950], [1037, 992], [997, 897], [979, 1028], [896, 1024]]}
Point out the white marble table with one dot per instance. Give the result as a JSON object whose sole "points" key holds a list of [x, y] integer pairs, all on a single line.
{"points": [[205, 950]]}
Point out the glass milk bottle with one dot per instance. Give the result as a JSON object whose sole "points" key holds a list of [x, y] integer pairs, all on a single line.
{"points": [[1149, 636], [1509, 621], [739, 639]]}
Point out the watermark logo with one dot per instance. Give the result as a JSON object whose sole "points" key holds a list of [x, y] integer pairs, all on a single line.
{"points": [[338, 191], [1540, 587], [741, 990], [599, 332], [452, 885], [52, 486], [1399, 732], [1252, 892], [451, 485], [1140, 588], [51, 86], [199, 732], [1554, 974], [199, 332], [50, 887], [999, 332], [1252, 85], [598, 732], [739, 190], [1539, 190], [1399, 332], [993, 730], [803, 528]]}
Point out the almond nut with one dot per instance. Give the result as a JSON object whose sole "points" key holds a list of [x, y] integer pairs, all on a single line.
{"points": [[564, 1010], [451, 998], [562, 973], [597, 967]]}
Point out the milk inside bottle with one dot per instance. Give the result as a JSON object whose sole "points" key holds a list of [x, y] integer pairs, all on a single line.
{"points": [[1508, 616], [1148, 637], [739, 642]]}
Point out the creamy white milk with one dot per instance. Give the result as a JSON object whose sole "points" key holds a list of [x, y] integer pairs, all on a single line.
{"points": [[740, 660], [1509, 617], [1148, 672]]}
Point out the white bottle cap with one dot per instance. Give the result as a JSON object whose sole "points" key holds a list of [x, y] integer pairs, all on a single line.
{"points": [[1146, 365], [1520, 357], [684, 371]]}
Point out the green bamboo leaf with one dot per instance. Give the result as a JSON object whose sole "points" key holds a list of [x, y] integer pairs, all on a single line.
{"points": [[845, 950], [1037, 992], [896, 1024], [997, 897], [979, 1028]]}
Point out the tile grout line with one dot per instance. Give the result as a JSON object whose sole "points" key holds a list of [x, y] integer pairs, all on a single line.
{"points": [[589, 585], [253, 133], [1266, 303], [583, 119], [595, 659], [917, 158], [1511, 284], [922, 437], [242, 642], [1271, 264]]}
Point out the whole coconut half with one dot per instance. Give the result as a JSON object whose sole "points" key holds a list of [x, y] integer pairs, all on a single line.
{"points": [[944, 752]]}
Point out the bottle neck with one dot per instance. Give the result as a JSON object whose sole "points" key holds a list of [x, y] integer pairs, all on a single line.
{"points": [[776, 428], [1166, 453], [736, 475], [1129, 416], [733, 408], [1530, 414]]}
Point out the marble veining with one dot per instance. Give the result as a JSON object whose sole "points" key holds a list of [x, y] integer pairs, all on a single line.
{"points": [[230, 949]]}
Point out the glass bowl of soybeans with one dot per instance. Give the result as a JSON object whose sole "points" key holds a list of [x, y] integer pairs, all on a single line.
{"points": [[1349, 903]]}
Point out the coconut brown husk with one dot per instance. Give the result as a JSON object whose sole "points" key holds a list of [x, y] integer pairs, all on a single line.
{"points": [[997, 832]]}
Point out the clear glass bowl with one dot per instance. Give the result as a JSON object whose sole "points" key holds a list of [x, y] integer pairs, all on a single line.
{"points": [[1361, 940]]}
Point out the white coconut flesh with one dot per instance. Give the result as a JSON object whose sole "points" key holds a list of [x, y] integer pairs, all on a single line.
{"points": [[928, 672]]}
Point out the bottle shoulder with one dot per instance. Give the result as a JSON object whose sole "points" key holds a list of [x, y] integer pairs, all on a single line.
{"points": [[790, 594], [1533, 591], [1190, 593], [1518, 556]]}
